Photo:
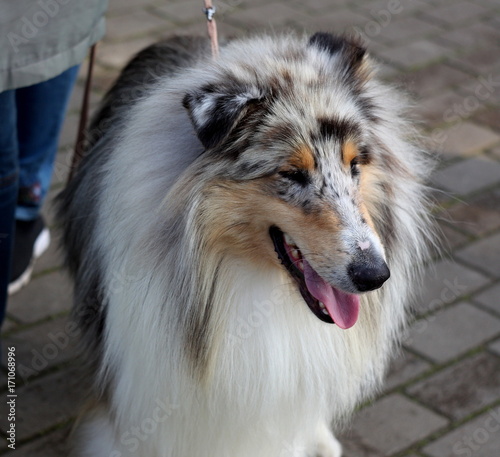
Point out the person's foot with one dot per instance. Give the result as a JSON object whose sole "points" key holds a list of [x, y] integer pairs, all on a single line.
{"points": [[31, 240]]}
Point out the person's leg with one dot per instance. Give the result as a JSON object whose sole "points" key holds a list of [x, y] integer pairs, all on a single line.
{"points": [[41, 112], [9, 173], [41, 109]]}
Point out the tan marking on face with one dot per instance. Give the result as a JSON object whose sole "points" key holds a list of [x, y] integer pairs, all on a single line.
{"points": [[368, 218], [370, 193], [302, 158], [349, 152], [240, 215]]}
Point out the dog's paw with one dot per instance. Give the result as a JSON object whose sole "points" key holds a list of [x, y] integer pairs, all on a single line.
{"points": [[326, 444]]}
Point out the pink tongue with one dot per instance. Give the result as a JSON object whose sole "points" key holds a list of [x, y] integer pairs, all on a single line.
{"points": [[342, 307]]}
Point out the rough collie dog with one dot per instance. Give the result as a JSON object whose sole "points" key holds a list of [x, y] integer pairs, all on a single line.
{"points": [[244, 235]]}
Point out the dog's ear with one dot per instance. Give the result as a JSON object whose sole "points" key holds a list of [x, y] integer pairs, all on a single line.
{"points": [[215, 111], [349, 49]]}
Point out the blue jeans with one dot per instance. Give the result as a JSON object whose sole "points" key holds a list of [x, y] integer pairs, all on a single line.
{"points": [[30, 122]]}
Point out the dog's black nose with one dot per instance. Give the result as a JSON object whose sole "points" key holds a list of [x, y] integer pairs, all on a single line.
{"points": [[369, 276]]}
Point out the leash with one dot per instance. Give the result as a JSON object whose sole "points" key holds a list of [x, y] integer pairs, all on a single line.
{"points": [[209, 12], [212, 27], [84, 114]]}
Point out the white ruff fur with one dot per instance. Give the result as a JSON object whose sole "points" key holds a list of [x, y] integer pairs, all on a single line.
{"points": [[272, 375], [277, 375]]}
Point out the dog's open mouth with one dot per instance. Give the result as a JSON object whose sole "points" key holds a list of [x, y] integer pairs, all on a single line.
{"points": [[328, 303]]}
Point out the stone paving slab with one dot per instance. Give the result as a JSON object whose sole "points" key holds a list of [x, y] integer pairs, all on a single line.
{"points": [[477, 438], [118, 54], [470, 36], [477, 61], [447, 240], [433, 79], [490, 298], [468, 176], [43, 297], [134, 24], [483, 254], [478, 215], [402, 423], [462, 389], [183, 12], [118, 7], [52, 259], [403, 29], [47, 402], [344, 21], [70, 127], [42, 347], [404, 367], [445, 282], [449, 333], [489, 117], [466, 138], [54, 444], [457, 12], [415, 54], [49, 211], [430, 110], [495, 347], [266, 16]]}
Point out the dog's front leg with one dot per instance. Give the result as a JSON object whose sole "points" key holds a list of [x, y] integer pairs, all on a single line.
{"points": [[326, 444]]}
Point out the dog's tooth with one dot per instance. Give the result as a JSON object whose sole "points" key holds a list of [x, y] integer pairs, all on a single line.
{"points": [[323, 308], [288, 239], [295, 254], [300, 264]]}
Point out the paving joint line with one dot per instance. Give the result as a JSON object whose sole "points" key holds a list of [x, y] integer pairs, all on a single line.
{"points": [[22, 326]]}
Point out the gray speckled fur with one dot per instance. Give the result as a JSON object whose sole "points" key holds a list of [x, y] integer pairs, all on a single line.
{"points": [[78, 202]]}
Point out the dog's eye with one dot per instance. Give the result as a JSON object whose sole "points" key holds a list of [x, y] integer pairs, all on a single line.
{"points": [[355, 166], [299, 176], [363, 158]]}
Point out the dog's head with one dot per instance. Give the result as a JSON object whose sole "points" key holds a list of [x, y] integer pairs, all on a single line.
{"points": [[294, 168]]}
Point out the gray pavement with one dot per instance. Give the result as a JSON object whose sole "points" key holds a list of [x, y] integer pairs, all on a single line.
{"points": [[442, 395]]}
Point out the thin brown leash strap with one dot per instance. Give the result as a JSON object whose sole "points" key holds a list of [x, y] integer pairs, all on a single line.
{"points": [[212, 27], [84, 114]]}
